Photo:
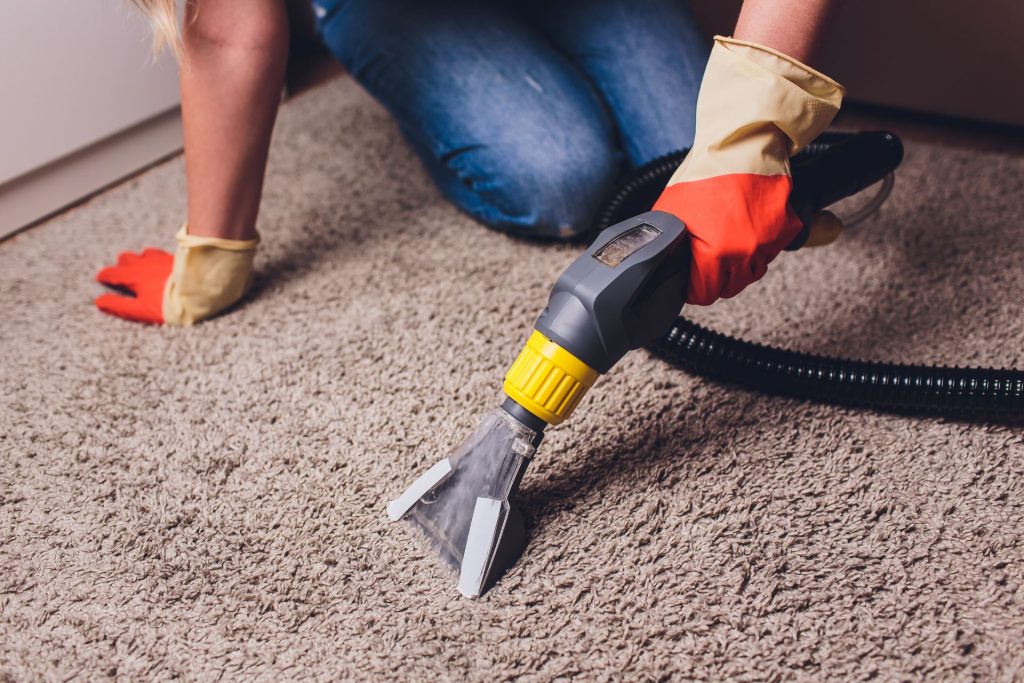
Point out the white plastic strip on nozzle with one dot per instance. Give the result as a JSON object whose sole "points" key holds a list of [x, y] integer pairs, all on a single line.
{"points": [[479, 546], [421, 487]]}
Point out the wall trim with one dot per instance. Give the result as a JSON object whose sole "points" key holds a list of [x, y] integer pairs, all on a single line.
{"points": [[59, 185]]}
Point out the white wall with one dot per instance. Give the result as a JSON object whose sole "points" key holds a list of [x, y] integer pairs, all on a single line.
{"points": [[74, 75]]}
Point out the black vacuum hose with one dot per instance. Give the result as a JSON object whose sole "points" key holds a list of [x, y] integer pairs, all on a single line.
{"points": [[948, 391]]}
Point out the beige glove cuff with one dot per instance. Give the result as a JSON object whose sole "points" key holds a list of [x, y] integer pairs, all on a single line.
{"points": [[209, 275], [756, 108]]}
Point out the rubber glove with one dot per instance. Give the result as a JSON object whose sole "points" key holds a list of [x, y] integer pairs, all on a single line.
{"points": [[205, 276], [756, 108]]}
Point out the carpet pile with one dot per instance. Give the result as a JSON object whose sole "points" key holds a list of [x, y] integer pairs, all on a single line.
{"points": [[209, 502]]}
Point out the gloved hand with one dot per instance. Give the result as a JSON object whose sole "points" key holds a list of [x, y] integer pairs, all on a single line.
{"points": [[756, 108], [205, 276]]}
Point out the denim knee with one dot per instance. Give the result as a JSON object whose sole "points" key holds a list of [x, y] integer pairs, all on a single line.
{"points": [[560, 193], [531, 188], [512, 132]]}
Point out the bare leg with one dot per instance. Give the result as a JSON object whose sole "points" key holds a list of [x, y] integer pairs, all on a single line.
{"points": [[231, 83]]}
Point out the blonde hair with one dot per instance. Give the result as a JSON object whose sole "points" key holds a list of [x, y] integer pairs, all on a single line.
{"points": [[163, 18]]}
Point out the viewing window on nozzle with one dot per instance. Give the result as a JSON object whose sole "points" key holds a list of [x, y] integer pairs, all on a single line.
{"points": [[626, 244]]}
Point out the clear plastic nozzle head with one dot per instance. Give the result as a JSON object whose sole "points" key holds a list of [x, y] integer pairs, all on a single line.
{"points": [[463, 503]]}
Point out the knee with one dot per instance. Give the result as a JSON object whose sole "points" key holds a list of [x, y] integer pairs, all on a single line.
{"points": [[549, 191], [258, 34], [561, 194]]}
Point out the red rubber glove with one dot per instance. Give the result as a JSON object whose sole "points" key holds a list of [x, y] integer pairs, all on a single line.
{"points": [[144, 275], [205, 276], [756, 108]]}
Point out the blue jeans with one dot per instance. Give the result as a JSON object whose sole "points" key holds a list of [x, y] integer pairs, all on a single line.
{"points": [[526, 113]]}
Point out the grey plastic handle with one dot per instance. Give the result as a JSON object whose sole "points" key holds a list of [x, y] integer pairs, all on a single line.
{"points": [[611, 301]]}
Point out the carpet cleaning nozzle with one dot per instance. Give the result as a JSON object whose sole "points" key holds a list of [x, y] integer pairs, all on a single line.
{"points": [[463, 503], [622, 293]]}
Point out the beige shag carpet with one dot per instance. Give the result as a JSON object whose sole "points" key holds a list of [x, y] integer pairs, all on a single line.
{"points": [[208, 503]]}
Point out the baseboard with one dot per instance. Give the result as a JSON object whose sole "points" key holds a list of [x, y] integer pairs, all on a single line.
{"points": [[40, 194]]}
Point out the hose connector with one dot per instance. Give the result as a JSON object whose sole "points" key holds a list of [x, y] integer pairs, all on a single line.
{"points": [[547, 380]]}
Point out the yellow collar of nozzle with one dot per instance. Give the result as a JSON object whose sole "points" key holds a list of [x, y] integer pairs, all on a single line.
{"points": [[547, 380]]}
